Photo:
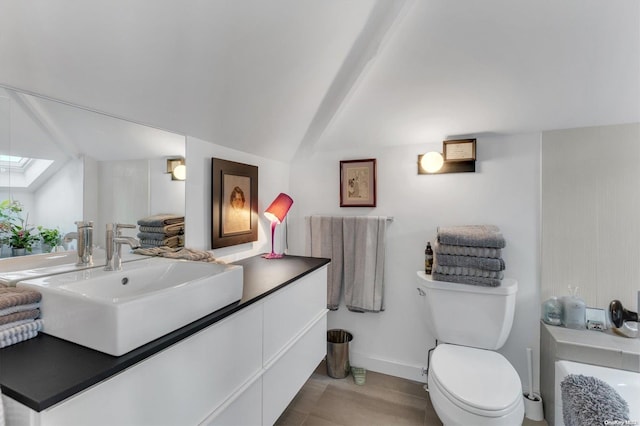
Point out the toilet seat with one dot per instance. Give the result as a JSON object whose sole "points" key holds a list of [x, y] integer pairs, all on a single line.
{"points": [[475, 380]]}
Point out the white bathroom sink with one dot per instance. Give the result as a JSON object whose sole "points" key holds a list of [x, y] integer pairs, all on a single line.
{"points": [[117, 311], [14, 269]]}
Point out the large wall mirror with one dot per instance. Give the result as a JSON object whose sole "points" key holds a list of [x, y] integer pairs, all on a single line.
{"points": [[60, 163]]}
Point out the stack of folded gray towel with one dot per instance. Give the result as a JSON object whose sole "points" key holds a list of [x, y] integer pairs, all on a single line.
{"points": [[19, 313], [161, 230], [469, 254]]}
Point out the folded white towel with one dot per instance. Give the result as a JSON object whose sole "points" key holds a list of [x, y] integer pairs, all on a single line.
{"points": [[14, 324], [19, 308], [21, 337], [34, 325], [20, 333]]}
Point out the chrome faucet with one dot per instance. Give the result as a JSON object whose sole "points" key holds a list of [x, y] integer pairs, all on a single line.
{"points": [[114, 241], [84, 238]]}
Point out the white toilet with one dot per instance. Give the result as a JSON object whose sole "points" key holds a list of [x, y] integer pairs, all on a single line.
{"points": [[469, 384]]}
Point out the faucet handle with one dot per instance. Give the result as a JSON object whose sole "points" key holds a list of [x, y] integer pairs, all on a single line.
{"points": [[124, 225], [117, 227], [84, 224]]}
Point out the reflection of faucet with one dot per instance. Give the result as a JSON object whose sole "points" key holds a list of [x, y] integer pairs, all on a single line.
{"points": [[84, 237], [114, 241]]}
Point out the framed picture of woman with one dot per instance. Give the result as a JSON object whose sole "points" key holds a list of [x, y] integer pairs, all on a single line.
{"points": [[234, 203]]}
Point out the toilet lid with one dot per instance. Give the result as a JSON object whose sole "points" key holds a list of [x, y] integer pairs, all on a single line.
{"points": [[475, 379]]}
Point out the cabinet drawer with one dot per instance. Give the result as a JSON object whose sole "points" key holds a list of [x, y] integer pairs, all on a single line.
{"points": [[180, 385], [288, 311], [282, 381], [245, 410]]}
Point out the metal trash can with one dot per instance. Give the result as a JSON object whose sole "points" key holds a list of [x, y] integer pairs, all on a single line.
{"points": [[338, 353]]}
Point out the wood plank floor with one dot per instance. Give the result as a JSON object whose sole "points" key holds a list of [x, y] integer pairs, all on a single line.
{"points": [[382, 400]]}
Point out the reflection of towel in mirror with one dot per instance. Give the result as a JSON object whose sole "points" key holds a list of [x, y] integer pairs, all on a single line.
{"points": [[486, 263], [467, 250], [364, 252], [161, 220], [471, 235], [154, 236], [587, 400], [324, 239], [175, 241], [464, 279], [169, 230]]}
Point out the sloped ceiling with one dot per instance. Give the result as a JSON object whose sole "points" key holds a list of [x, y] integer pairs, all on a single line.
{"points": [[275, 77]]}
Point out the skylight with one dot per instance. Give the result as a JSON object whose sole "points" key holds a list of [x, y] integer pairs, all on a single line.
{"points": [[20, 172]]}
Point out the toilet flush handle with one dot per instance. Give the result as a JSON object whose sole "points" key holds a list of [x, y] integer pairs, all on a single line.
{"points": [[421, 291]]}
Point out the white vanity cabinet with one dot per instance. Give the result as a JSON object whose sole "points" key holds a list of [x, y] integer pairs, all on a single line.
{"points": [[242, 370]]}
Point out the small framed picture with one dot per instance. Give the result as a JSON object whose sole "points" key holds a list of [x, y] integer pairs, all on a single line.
{"points": [[234, 203], [459, 150], [358, 183]]}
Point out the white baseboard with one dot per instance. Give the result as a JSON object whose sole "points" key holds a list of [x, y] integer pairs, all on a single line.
{"points": [[385, 366]]}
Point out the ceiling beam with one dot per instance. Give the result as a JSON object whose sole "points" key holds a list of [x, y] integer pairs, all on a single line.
{"points": [[383, 21]]}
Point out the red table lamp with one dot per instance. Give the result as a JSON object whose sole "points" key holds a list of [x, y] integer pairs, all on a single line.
{"points": [[276, 213]]}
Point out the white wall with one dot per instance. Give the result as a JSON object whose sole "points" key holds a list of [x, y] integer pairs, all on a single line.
{"points": [[590, 211], [504, 191], [58, 202], [273, 178]]}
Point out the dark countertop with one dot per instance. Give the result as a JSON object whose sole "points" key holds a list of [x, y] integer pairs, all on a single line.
{"points": [[45, 370]]}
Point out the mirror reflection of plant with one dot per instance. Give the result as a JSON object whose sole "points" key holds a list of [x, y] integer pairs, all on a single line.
{"points": [[9, 213], [50, 237], [22, 236]]}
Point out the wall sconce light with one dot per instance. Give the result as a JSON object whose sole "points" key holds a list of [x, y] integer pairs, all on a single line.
{"points": [[458, 156], [276, 212], [177, 168]]}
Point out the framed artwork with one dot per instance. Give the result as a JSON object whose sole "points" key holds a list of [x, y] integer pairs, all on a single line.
{"points": [[459, 150], [358, 183], [234, 203]]}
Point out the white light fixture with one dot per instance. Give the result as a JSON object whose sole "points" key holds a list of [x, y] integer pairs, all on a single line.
{"points": [[431, 162], [177, 168]]}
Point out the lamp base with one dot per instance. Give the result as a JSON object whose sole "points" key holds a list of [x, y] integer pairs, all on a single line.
{"points": [[273, 255]]}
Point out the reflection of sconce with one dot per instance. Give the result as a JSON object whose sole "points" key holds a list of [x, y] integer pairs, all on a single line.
{"points": [[176, 167], [457, 156]]}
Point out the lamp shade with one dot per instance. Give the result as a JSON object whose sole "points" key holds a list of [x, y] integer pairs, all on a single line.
{"points": [[279, 208]]}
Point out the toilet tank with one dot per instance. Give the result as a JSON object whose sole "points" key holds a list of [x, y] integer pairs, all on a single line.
{"points": [[469, 315]]}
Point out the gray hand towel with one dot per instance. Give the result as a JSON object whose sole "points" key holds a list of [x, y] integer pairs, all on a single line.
{"points": [[588, 400], [486, 263], [364, 252], [471, 235], [494, 253], [324, 239], [155, 236], [463, 279]]}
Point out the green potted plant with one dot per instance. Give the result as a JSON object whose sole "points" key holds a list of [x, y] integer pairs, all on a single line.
{"points": [[9, 212], [22, 239], [50, 238]]}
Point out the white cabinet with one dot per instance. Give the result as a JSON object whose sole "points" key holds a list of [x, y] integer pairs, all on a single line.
{"points": [[244, 370]]}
